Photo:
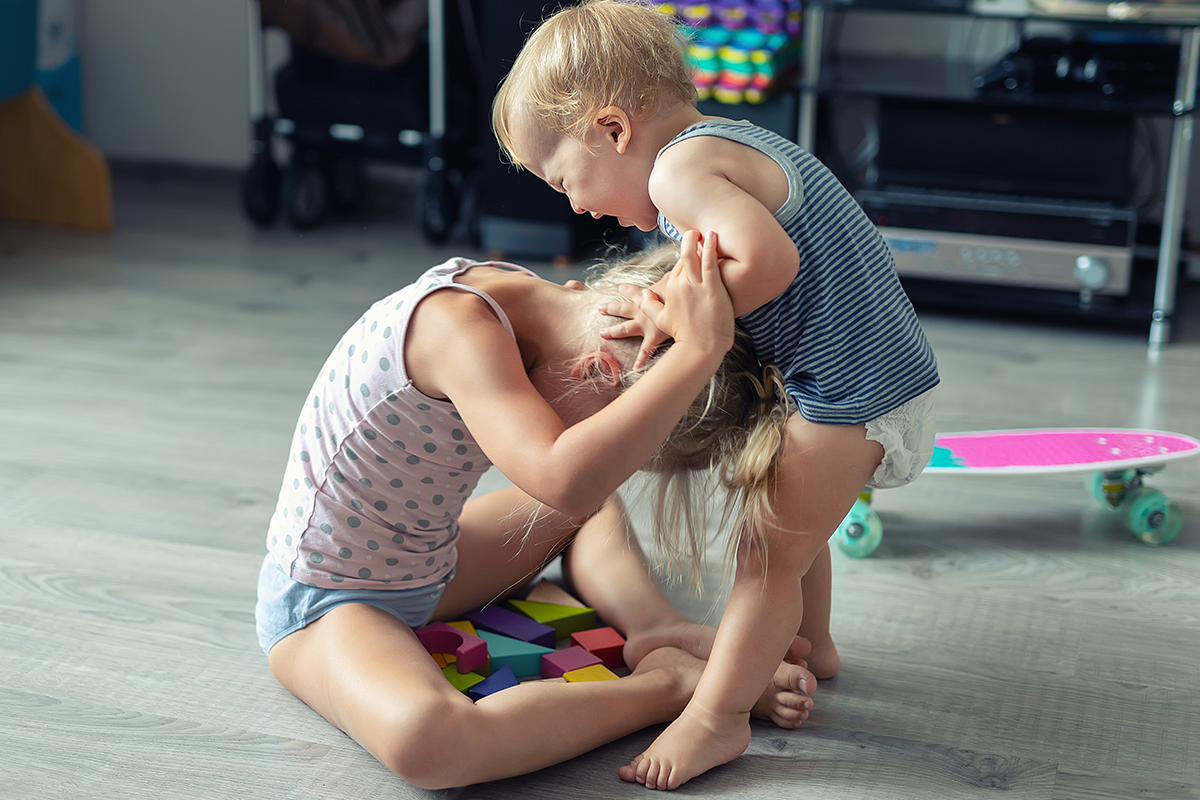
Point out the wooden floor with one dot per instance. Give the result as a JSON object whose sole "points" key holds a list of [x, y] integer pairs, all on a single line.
{"points": [[1008, 637]]}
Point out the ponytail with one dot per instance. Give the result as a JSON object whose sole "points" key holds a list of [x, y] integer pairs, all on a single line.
{"points": [[728, 442]]}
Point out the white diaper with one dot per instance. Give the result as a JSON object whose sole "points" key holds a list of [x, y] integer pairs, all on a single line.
{"points": [[906, 434]]}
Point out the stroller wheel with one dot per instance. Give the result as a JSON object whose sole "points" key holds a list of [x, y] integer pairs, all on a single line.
{"points": [[439, 207], [305, 195], [260, 191]]}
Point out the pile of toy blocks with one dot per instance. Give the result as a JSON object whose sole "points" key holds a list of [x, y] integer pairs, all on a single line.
{"points": [[741, 50], [548, 635]]}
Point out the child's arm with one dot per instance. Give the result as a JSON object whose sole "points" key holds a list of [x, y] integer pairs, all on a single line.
{"points": [[705, 184], [697, 185], [574, 469]]}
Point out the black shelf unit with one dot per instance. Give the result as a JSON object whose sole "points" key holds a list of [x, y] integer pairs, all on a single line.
{"points": [[1150, 298]]}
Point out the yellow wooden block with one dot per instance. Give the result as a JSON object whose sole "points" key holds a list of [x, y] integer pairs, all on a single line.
{"points": [[564, 619], [596, 672], [547, 591], [463, 625], [440, 659]]}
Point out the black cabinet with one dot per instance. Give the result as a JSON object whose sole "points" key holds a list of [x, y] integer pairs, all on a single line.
{"points": [[1009, 184]]}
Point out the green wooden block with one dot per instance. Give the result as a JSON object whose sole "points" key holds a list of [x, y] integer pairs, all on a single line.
{"points": [[524, 658], [460, 681], [564, 619]]}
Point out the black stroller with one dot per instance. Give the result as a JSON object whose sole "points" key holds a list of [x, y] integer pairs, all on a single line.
{"points": [[366, 80]]}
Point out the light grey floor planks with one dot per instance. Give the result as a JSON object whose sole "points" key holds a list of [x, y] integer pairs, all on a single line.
{"points": [[1008, 637]]}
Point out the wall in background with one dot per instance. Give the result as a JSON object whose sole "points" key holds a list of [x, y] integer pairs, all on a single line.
{"points": [[166, 80]]}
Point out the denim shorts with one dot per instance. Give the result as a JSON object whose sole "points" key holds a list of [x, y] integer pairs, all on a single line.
{"points": [[285, 606]]}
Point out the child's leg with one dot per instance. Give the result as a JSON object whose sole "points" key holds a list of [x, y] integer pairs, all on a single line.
{"points": [[366, 672], [822, 470], [607, 568], [816, 588]]}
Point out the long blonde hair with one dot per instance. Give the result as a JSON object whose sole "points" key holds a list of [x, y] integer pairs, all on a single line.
{"points": [[730, 438], [589, 56]]}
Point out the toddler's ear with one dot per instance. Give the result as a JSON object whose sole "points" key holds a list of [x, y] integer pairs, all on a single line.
{"points": [[600, 367], [614, 125]]}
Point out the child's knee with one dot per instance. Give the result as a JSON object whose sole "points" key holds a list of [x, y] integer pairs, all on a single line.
{"points": [[421, 743]]}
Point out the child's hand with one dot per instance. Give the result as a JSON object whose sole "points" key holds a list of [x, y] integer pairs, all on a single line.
{"points": [[694, 307], [637, 323], [695, 279]]}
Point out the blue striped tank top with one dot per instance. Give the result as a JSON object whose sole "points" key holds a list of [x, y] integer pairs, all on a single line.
{"points": [[844, 333]]}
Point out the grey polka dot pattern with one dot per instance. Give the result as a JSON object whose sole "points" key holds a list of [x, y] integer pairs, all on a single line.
{"points": [[378, 472]]}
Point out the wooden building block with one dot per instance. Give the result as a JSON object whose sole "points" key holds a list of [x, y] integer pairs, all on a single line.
{"points": [[440, 660], [499, 680], [605, 643], [470, 652], [463, 625], [460, 681], [513, 625], [547, 591], [596, 672], [559, 662], [564, 619], [524, 658]]}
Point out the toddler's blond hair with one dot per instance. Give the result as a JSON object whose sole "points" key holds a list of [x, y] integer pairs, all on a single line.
{"points": [[590, 56]]}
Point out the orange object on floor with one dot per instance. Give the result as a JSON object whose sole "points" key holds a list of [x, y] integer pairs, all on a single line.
{"points": [[48, 174]]}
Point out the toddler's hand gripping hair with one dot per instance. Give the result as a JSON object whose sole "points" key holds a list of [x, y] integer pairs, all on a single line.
{"points": [[692, 289]]}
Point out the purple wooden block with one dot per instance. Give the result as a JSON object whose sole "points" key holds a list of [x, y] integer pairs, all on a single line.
{"points": [[560, 661], [514, 625]]}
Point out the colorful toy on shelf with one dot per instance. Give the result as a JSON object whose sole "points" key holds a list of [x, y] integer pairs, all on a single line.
{"points": [[741, 50]]}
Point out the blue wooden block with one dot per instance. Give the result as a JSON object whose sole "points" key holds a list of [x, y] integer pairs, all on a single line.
{"points": [[513, 625], [501, 679]]}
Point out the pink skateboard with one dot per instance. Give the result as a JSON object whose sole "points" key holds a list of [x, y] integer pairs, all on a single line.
{"points": [[1117, 458]]}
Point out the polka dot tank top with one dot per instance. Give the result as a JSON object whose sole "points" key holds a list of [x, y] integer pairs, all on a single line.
{"points": [[378, 473]]}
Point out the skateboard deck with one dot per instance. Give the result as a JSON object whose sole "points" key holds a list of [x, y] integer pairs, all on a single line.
{"points": [[1118, 458], [1034, 451]]}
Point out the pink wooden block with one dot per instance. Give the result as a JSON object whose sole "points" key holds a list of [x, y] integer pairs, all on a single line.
{"points": [[605, 643], [561, 661], [469, 651]]}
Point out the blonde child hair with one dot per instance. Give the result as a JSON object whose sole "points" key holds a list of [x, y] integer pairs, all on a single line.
{"points": [[729, 438], [599, 53]]}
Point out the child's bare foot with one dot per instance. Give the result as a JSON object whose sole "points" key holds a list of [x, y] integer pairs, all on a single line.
{"points": [[823, 658], [694, 743], [785, 701]]}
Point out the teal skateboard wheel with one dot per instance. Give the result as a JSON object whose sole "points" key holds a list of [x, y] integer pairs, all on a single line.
{"points": [[1152, 516], [860, 532]]}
